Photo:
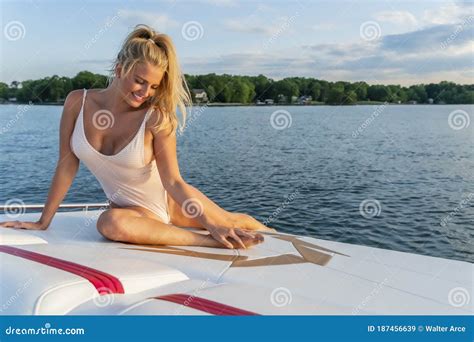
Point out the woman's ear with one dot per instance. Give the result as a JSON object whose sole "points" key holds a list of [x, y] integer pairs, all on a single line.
{"points": [[118, 70]]}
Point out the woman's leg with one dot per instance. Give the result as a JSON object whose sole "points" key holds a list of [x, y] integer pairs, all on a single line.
{"points": [[229, 219], [245, 221], [141, 226]]}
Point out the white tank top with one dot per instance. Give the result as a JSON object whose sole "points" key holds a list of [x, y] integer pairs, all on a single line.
{"points": [[124, 176]]}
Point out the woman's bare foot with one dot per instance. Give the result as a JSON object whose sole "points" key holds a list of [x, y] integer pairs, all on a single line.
{"points": [[247, 222]]}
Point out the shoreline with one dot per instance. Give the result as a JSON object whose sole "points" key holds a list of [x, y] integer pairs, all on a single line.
{"points": [[217, 104]]}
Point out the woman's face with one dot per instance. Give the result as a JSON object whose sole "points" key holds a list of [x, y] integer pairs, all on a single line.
{"points": [[141, 83]]}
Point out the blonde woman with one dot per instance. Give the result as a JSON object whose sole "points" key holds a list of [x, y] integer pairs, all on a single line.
{"points": [[126, 136]]}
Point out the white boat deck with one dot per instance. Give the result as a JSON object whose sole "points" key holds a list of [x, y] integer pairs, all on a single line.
{"points": [[71, 269]]}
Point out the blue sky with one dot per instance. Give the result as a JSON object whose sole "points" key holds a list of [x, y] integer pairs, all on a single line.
{"points": [[389, 42]]}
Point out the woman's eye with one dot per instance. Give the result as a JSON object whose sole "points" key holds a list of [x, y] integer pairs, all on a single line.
{"points": [[139, 82]]}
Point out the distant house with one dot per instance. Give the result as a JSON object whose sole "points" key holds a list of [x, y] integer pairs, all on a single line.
{"points": [[269, 101], [200, 95], [264, 102], [430, 100], [305, 99], [412, 102], [12, 99], [282, 98]]}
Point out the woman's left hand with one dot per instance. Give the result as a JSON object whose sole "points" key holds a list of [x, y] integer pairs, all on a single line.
{"points": [[223, 235]]}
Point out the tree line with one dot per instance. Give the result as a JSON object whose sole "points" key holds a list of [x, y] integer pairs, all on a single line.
{"points": [[250, 89]]}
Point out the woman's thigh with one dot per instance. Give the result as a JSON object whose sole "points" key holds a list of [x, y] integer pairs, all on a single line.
{"points": [[135, 211], [178, 218], [176, 214]]}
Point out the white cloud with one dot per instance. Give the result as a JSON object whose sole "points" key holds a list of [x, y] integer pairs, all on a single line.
{"points": [[397, 17], [224, 3], [448, 13], [277, 27], [243, 25], [161, 22], [407, 58], [324, 26]]}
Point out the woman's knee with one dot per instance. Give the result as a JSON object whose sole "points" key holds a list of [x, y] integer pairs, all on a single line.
{"points": [[112, 226]]}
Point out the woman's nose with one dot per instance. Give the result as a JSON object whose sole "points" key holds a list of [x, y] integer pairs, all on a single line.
{"points": [[147, 90]]}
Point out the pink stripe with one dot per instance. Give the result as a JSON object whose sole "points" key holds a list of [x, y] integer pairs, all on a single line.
{"points": [[103, 282], [205, 305]]}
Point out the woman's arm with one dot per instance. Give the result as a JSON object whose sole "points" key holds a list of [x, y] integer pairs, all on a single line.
{"points": [[211, 216], [66, 168]]}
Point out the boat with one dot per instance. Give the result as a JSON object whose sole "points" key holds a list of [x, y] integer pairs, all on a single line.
{"points": [[70, 269]]}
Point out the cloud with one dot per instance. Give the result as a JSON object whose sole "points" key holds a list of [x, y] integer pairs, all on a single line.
{"points": [[223, 3], [324, 26], [430, 38], [448, 13], [244, 26], [264, 20], [430, 54], [397, 17], [161, 22]]}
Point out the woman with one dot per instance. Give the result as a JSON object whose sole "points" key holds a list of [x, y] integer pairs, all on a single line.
{"points": [[126, 136]]}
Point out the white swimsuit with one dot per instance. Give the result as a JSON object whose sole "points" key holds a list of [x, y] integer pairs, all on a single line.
{"points": [[124, 177]]}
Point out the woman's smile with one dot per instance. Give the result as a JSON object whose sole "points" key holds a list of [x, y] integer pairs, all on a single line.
{"points": [[138, 98]]}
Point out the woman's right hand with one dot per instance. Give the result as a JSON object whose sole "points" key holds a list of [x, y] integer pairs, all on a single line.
{"points": [[24, 225]]}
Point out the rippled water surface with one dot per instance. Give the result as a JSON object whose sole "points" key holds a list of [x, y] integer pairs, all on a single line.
{"points": [[403, 181]]}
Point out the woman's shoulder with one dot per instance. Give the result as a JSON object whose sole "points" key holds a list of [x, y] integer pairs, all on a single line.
{"points": [[79, 93], [73, 101]]}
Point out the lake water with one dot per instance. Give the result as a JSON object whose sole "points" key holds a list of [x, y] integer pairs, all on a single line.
{"points": [[396, 177]]}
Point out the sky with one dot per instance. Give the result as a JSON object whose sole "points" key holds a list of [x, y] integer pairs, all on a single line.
{"points": [[380, 42]]}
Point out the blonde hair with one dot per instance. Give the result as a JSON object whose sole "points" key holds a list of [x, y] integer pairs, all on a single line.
{"points": [[142, 45]]}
